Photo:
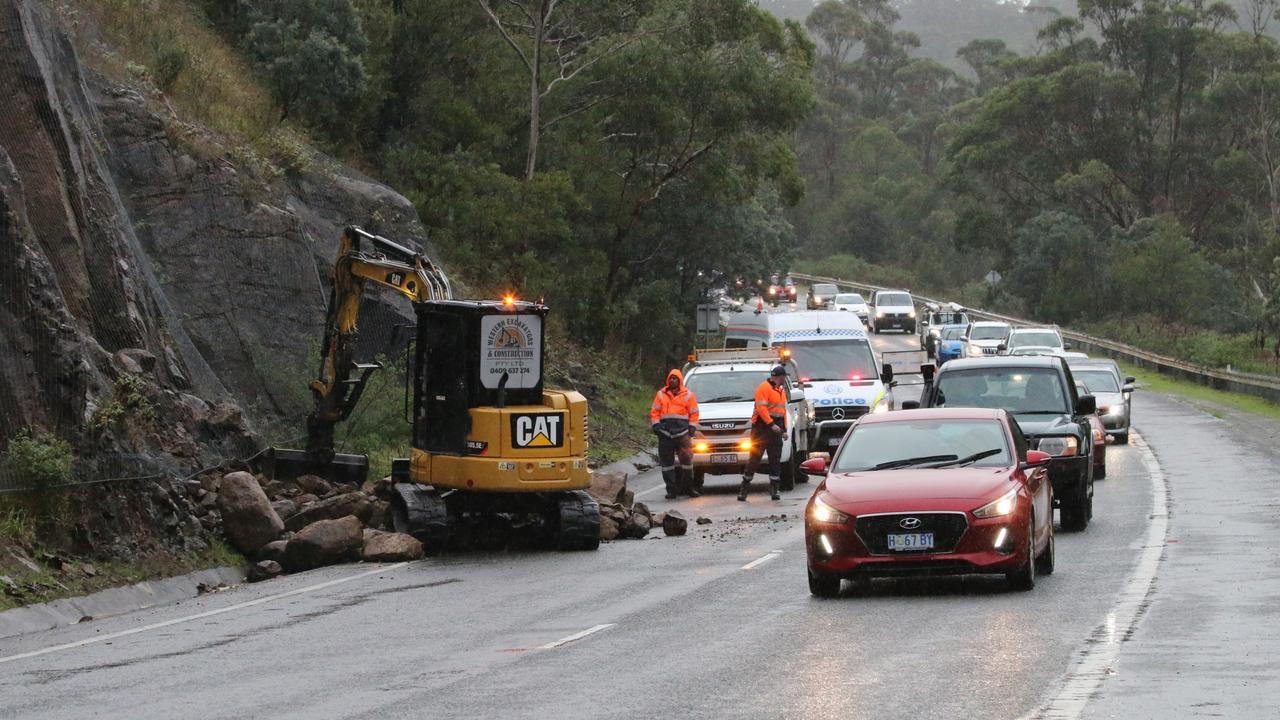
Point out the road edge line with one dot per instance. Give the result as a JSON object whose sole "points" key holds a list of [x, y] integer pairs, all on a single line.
{"points": [[576, 636], [1097, 655]]}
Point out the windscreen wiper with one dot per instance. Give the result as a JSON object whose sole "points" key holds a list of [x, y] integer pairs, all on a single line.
{"points": [[905, 462], [971, 458], [727, 398]]}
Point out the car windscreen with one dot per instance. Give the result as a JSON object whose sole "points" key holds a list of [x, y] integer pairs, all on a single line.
{"points": [[849, 299], [1097, 380], [834, 359], [893, 299], [872, 444], [825, 290], [989, 332], [732, 386], [953, 333], [947, 318], [1018, 390], [1035, 339]]}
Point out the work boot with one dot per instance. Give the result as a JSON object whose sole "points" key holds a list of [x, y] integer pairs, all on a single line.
{"points": [[694, 492], [773, 490], [742, 492], [671, 492]]}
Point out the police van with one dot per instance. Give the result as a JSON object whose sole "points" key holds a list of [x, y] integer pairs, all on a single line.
{"points": [[833, 355], [725, 383]]}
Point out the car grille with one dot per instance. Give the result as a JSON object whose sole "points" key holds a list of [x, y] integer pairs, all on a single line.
{"points": [[990, 351], [851, 412], [947, 528], [918, 568]]}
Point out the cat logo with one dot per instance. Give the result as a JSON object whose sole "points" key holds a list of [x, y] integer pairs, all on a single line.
{"points": [[537, 430]]}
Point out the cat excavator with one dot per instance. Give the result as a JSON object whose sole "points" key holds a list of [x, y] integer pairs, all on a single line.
{"points": [[492, 450]]}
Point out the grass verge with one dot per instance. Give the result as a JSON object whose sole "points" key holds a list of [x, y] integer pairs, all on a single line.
{"points": [[1217, 399]]}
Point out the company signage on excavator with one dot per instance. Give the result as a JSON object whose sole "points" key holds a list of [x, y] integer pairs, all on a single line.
{"points": [[537, 430], [510, 344]]}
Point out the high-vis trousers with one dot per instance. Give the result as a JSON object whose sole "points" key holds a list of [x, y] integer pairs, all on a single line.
{"points": [[764, 439], [678, 478]]}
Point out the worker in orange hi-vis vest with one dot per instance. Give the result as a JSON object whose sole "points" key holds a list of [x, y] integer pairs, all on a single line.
{"points": [[768, 425], [675, 418]]}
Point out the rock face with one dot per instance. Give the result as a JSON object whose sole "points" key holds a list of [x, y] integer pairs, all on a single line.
{"points": [[247, 516], [324, 543], [390, 547]]}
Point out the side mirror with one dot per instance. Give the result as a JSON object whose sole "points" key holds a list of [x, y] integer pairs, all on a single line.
{"points": [[1130, 380], [1127, 388], [1066, 346], [886, 373], [1086, 405], [927, 371], [816, 467], [910, 404], [806, 385], [1036, 458], [1001, 348]]}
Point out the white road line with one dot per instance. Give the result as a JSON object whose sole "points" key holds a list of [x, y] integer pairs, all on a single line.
{"points": [[773, 554], [575, 636], [199, 616], [1098, 657], [642, 493]]}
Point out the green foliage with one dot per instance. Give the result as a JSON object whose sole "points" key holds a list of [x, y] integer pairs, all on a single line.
{"points": [[309, 52], [37, 459], [128, 400]]}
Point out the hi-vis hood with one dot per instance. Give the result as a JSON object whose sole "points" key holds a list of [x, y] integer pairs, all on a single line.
{"points": [[833, 393], [675, 373]]}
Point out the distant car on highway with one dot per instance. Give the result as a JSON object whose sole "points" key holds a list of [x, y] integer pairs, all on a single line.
{"points": [[892, 310], [1044, 340], [934, 319], [1113, 391], [1041, 393], [851, 302], [821, 295], [950, 343], [789, 290], [1099, 437], [986, 338], [953, 491]]}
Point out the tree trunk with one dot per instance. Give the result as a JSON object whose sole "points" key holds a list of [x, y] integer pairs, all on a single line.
{"points": [[535, 98]]}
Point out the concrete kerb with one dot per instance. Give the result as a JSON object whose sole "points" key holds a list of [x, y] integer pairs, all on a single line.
{"points": [[1245, 383], [114, 601]]}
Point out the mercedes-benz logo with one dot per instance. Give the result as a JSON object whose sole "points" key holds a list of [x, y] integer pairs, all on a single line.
{"points": [[909, 523], [837, 414]]}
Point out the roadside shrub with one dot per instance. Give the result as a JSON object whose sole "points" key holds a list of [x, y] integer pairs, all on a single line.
{"points": [[37, 459]]}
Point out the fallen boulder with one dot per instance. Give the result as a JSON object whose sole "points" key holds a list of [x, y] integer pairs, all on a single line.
{"points": [[609, 529], [314, 484], [674, 523], [324, 542], [273, 550], [247, 516], [263, 570], [609, 488], [382, 546], [703, 520], [636, 526], [353, 503]]}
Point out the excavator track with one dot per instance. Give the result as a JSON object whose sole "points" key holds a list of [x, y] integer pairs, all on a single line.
{"points": [[579, 522], [421, 511]]}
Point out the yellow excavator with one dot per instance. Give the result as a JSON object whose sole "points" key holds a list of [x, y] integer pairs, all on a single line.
{"points": [[491, 449]]}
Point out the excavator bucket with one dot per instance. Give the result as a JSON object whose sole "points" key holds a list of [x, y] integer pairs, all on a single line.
{"points": [[286, 464]]}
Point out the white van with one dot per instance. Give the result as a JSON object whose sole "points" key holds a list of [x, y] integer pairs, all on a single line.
{"points": [[838, 369]]}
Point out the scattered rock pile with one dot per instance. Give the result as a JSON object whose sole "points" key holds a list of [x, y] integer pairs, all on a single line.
{"points": [[300, 524], [621, 517]]}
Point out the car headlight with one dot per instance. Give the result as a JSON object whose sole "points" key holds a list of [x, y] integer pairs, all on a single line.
{"points": [[974, 351], [701, 447], [911, 313], [999, 507], [1061, 446], [824, 513], [882, 406], [879, 313], [1112, 410]]}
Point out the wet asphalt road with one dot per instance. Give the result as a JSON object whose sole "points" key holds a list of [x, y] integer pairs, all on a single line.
{"points": [[682, 628]]}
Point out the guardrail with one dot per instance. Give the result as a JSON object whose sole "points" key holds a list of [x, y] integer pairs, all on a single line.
{"points": [[1247, 383]]}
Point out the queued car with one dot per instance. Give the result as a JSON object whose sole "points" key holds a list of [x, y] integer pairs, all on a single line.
{"points": [[789, 290], [950, 344], [1113, 391], [951, 491], [821, 296], [986, 338], [934, 319], [851, 302], [1035, 340], [1041, 393], [1099, 438], [892, 310]]}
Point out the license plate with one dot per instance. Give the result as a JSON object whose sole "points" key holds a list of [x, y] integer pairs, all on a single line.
{"points": [[724, 458], [911, 541]]}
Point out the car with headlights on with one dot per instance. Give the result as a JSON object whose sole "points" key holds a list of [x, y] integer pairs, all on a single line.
{"points": [[1040, 392], [934, 319], [1035, 340], [1099, 437], [851, 302], [948, 491], [821, 295], [892, 310], [986, 338], [1114, 392]]}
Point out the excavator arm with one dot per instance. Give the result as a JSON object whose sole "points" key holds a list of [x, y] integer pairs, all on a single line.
{"points": [[362, 257]]}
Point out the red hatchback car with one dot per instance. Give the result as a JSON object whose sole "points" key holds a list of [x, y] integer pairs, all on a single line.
{"points": [[938, 491]]}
